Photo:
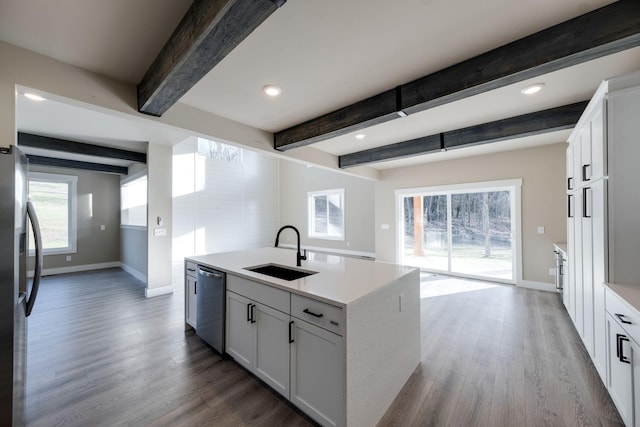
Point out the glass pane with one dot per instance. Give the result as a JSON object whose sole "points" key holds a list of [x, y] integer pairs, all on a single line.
{"points": [[481, 234], [320, 215], [335, 215], [425, 232], [51, 202]]}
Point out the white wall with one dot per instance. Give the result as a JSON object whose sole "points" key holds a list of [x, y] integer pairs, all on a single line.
{"points": [[222, 206], [296, 179], [542, 170]]}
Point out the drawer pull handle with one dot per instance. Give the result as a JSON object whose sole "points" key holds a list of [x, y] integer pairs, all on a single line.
{"points": [[622, 319], [311, 313], [620, 349], [584, 172], [191, 269], [253, 313]]}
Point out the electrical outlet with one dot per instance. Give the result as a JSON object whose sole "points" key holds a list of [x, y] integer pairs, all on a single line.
{"points": [[103, 227], [552, 272], [68, 257], [540, 229], [384, 226], [159, 232]]}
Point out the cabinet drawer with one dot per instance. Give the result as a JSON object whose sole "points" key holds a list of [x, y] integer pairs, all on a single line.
{"points": [[319, 313], [616, 307], [265, 294], [191, 269]]}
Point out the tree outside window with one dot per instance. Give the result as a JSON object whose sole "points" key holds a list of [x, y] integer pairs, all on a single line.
{"points": [[326, 214]]}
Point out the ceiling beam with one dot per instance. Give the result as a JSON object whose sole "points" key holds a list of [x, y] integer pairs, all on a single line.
{"points": [[610, 29], [63, 145], [74, 164], [206, 34], [545, 121]]}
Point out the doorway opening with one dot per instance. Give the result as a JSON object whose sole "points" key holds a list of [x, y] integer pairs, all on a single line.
{"points": [[469, 230]]}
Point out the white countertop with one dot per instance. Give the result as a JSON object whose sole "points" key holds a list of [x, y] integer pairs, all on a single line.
{"points": [[339, 281], [629, 293]]}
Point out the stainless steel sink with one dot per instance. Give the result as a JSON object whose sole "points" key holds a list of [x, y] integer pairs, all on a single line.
{"points": [[280, 271]]}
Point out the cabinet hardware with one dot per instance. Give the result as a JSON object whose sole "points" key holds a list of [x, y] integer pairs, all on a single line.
{"points": [[291, 333], [311, 313], [620, 349], [253, 313], [570, 183], [248, 312], [191, 269], [195, 288], [584, 202], [570, 206], [621, 317], [584, 172]]}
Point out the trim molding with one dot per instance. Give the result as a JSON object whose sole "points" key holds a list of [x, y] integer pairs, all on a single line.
{"points": [[540, 286], [135, 273], [76, 268], [346, 252], [154, 292]]}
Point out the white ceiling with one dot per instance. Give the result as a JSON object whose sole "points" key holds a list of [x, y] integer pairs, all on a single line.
{"points": [[324, 54]]}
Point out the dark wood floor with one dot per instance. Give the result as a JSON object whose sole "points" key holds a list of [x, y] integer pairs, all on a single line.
{"points": [[101, 354]]}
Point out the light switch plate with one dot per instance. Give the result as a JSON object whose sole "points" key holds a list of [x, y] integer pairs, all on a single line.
{"points": [[159, 232], [384, 226], [540, 229]]}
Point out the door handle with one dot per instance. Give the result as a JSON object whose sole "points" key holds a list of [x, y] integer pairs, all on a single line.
{"points": [[37, 238], [253, 313], [291, 340], [584, 202], [209, 274], [584, 172], [620, 349], [570, 206], [570, 183], [249, 312]]}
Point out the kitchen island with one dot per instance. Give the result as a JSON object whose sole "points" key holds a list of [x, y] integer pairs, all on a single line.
{"points": [[339, 344]]}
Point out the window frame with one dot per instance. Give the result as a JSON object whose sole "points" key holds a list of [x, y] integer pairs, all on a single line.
{"points": [[311, 214], [72, 206]]}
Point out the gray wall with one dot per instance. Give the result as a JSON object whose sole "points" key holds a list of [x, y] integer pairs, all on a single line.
{"points": [[94, 245], [133, 248], [296, 179]]}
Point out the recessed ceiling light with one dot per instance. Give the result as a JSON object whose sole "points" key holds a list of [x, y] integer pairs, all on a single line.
{"points": [[34, 97], [535, 88], [361, 136], [272, 90]]}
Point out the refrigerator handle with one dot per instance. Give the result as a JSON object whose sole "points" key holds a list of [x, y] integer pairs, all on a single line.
{"points": [[37, 238]]}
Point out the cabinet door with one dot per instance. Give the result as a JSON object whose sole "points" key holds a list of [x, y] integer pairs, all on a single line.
{"points": [[239, 329], [571, 181], [635, 367], [587, 268], [569, 292], [586, 169], [271, 352], [598, 193], [317, 373], [598, 152], [620, 380], [578, 301], [190, 300]]}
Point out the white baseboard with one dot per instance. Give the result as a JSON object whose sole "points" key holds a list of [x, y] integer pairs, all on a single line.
{"points": [[540, 286], [76, 268], [135, 273], [346, 252], [154, 292]]}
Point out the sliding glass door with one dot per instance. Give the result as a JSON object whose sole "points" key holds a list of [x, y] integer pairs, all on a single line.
{"points": [[463, 230]]}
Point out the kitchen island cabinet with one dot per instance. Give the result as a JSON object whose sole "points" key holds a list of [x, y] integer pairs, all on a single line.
{"points": [[349, 328]]}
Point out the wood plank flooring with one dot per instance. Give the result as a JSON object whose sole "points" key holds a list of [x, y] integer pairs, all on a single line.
{"points": [[101, 354]]}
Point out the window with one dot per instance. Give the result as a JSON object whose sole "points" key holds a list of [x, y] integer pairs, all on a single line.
{"points": [[133, 202], [326, 214], [470, 230], [54, 199]]}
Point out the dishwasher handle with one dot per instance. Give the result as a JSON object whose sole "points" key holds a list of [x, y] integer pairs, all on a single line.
{"points": [[209, 274]]}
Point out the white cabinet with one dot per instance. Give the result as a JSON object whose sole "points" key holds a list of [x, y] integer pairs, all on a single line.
{"points": [[190, 291], [257, 336], [620, 384], [317, 372], [603, 202]]}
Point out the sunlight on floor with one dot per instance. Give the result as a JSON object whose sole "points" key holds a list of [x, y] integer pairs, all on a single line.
{"points": [[432, 285]]}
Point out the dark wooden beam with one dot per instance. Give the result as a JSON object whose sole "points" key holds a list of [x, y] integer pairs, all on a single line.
{"points": [[545, 121], [207, 33], [602, 32], [372, 111], [63, 145], [74, 164]]}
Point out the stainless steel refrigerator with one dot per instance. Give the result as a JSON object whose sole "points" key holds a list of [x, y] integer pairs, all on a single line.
{"points": [[16, 296]]}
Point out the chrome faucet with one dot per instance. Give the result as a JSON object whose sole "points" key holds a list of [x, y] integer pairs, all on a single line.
{"points": [[299, 256]]}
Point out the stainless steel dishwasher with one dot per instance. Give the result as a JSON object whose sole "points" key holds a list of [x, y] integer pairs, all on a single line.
{"points": [[210, 307]]}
